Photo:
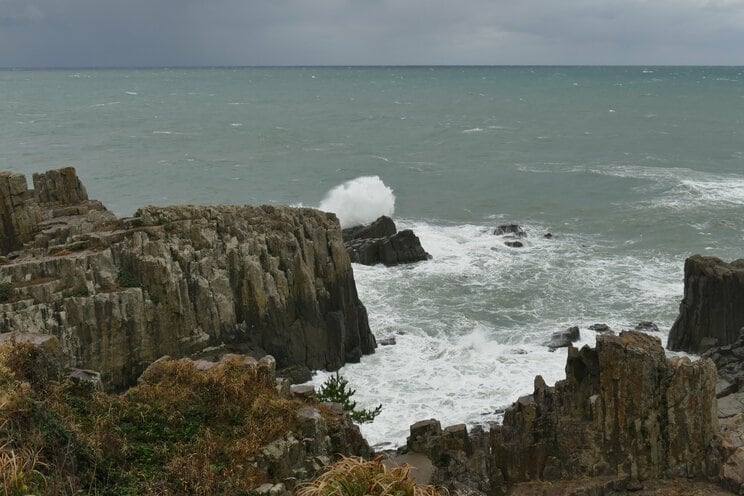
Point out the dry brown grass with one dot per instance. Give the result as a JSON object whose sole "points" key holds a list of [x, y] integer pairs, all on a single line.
{"points": [[359, 477], [182, 431]]}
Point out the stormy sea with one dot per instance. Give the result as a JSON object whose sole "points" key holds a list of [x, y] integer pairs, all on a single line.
{"points": [[630, 169]]}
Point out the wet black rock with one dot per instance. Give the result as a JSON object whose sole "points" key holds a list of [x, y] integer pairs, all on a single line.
{"points": [[562, 339], [510, 229], [380, 243], [600, 328], [729, 361], [381, 228], [514, 244]]}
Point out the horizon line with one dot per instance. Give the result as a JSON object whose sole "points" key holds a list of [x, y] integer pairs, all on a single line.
{"points": [[338, 66]]}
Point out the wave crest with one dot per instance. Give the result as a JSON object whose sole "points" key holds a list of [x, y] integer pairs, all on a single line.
{"points": [[359, 201]]}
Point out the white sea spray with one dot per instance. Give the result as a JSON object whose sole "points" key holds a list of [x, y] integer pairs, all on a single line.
{"points": [[359, 201]]}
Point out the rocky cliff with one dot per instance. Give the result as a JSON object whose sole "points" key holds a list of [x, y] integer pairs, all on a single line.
{"points": [[712, 310], [120, 293], [625, 414]]}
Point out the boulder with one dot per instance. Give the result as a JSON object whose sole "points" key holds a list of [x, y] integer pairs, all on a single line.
{"points": [[120, 293], [712, 309], [514, 244], [381, 228], [601, 328], [563, 339], [381, 243]]}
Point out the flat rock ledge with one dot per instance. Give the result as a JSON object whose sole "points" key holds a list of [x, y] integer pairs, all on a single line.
{"points": [[625, 418], [120, 293]]}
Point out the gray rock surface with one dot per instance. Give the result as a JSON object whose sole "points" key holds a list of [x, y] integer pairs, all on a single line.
{"points": [[712, 309], [624, 417], [120, 293]]}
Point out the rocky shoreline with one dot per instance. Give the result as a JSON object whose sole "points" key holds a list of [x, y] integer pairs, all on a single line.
{"points": [[115, 304]]}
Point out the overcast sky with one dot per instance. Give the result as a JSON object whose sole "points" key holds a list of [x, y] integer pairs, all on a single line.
{"points": [[126, 33]]}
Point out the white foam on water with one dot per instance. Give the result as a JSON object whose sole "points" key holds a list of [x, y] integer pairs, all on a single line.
{"points": [[684, 188], [473, 130], [470, 323], [359, 201], [133, 93]]}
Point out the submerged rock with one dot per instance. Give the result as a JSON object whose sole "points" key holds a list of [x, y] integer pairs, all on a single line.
{"points": [[646, 326], [380, 243], [514, 244], [119, 293], [712, 309], [511, 230]]}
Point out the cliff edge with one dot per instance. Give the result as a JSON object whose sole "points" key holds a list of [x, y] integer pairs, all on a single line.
{"points": [[712, 309], [120, 293]]}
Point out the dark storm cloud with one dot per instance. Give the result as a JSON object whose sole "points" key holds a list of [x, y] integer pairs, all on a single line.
{"points": [[255, 32]]}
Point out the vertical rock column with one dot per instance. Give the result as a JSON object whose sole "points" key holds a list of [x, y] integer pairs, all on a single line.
{"points": [[712, 310], [59, 187], [19, 213]]}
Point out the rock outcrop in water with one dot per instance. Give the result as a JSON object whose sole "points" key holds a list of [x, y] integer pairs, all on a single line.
{"points": [[712, 310], [625, 414], [381, 243], [120, 293]]}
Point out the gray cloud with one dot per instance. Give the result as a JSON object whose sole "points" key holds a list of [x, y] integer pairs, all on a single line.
{"points": [[264, 32]]}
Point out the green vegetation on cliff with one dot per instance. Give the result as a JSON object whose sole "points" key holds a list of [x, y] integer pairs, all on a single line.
{"points": [[180, 431], [336, 390]]}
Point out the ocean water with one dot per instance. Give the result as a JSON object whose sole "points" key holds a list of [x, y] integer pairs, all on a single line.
{"points": [[632, 169]]}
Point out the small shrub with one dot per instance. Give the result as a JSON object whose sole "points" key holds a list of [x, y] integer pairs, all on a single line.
{"points": [[359, 477], [336, 389], [78, 246], [6, 291], [127, 280]]}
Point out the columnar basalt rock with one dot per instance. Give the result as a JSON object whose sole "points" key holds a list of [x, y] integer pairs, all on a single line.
{"points": [[712, 310], [624, 414], [120, 293], [19, 212], [623, 409]]}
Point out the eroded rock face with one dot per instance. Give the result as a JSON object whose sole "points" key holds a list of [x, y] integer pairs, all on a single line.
{"points": [[381, 243], [623, 409], [120, 293], [623, 415], [712, 310]]}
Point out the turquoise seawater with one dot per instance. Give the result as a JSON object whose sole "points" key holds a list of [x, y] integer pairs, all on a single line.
{"points": [[632, 169]]}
